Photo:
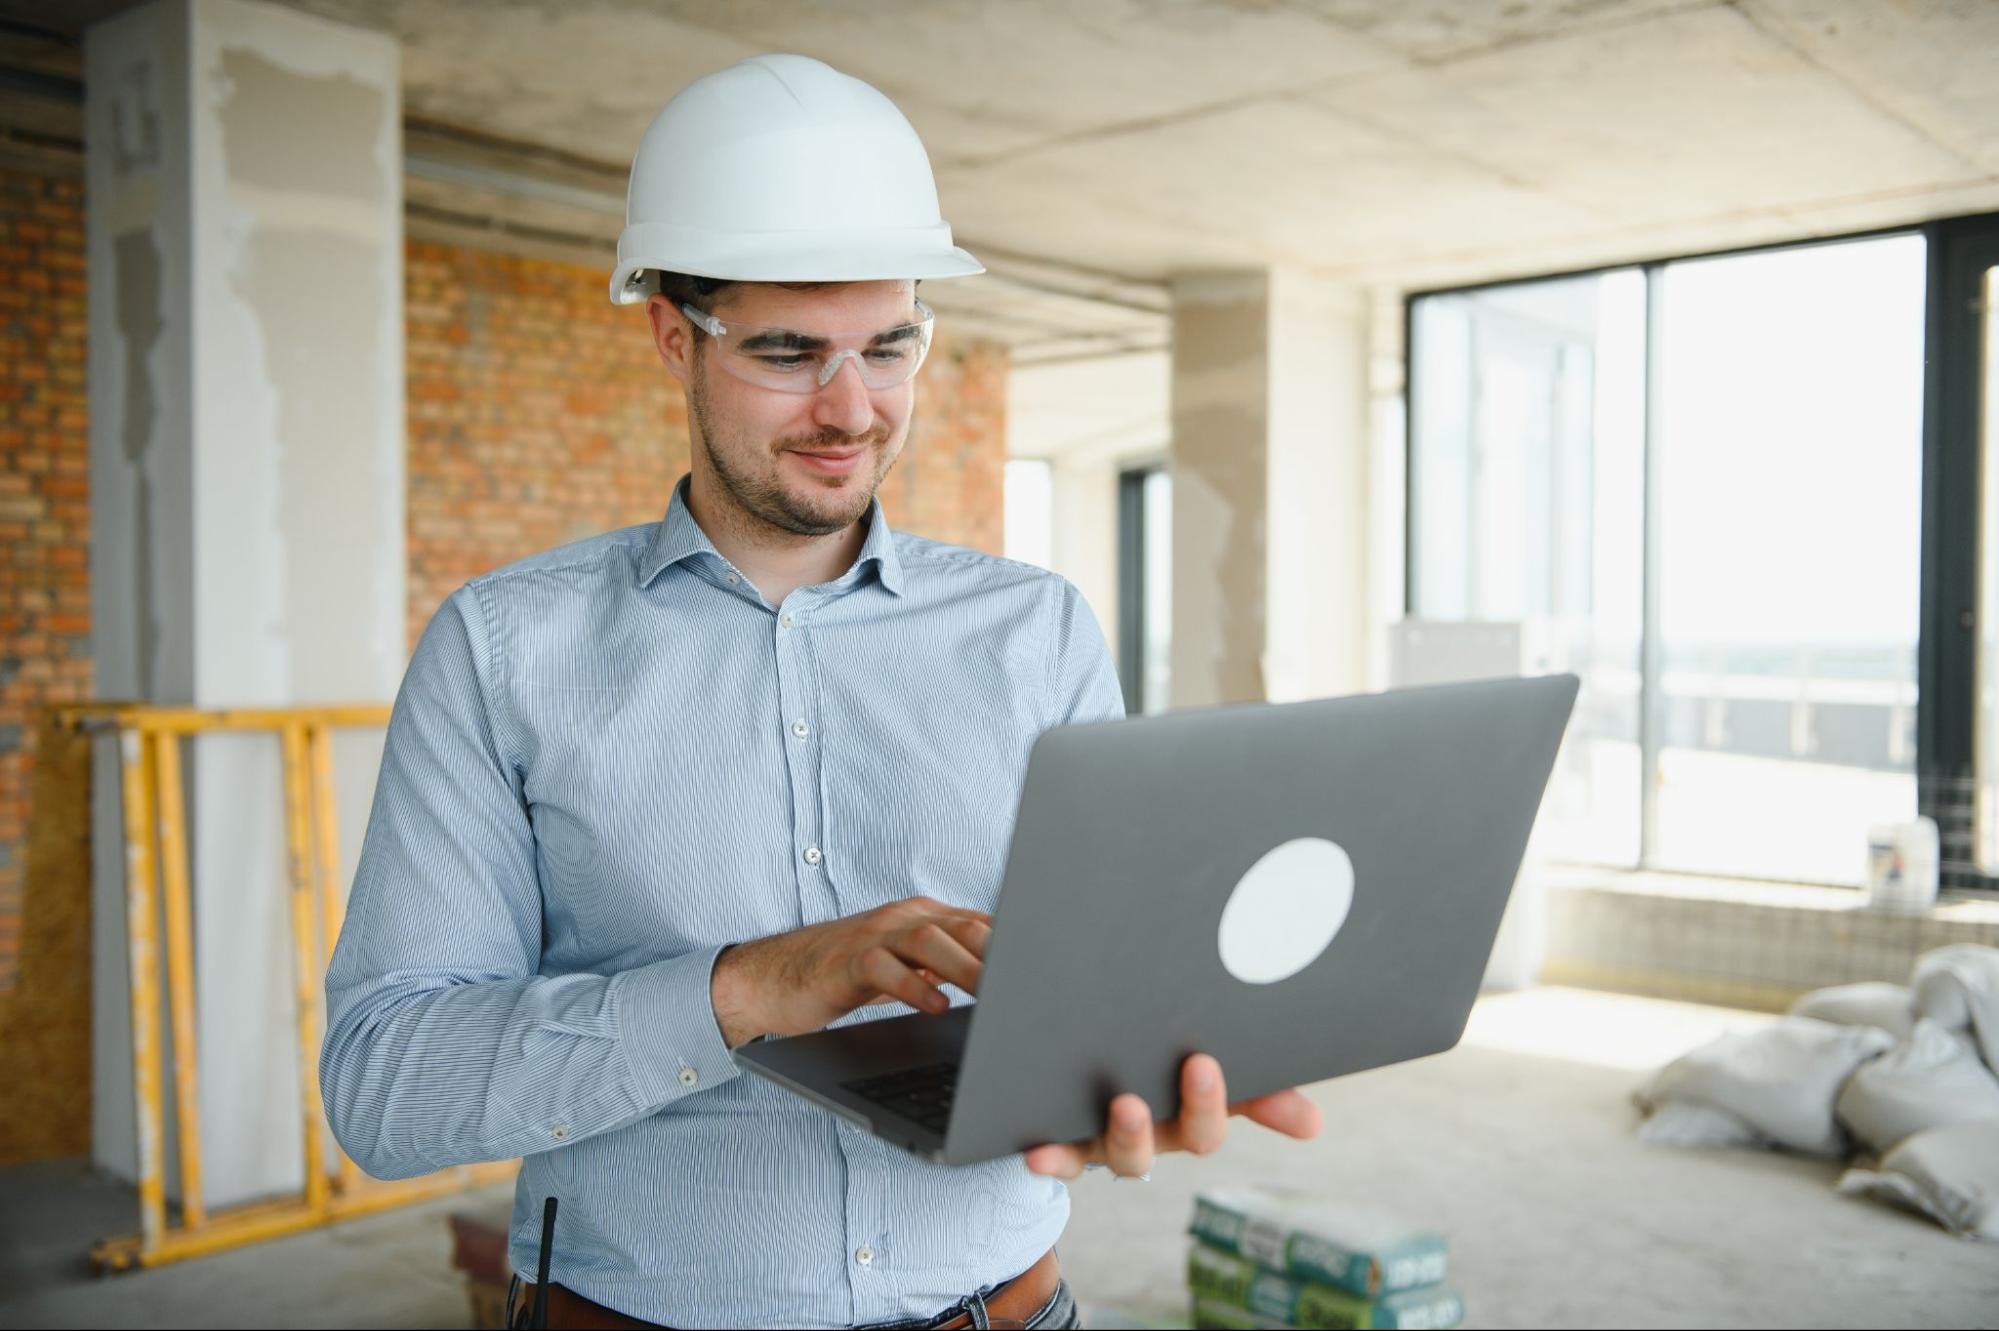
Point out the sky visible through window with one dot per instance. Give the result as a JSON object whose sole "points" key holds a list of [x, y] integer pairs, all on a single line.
{"points": [[1791, 476], [1793, 433]]}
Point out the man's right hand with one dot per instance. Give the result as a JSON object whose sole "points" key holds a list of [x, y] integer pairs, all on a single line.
{"points": [[793, 983]]}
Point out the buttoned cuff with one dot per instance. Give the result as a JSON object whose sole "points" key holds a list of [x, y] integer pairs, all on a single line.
{"points": [[667, 1028]]}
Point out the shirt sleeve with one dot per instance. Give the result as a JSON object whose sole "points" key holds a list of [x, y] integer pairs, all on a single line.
{"points": [[1082, 678], [444, 1043]]}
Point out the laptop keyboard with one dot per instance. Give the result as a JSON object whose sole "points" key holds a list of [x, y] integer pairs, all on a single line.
{"points": [[921, 1095]]}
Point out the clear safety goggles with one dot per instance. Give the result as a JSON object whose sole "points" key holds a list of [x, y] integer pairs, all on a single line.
{"points": [[791, 360]]}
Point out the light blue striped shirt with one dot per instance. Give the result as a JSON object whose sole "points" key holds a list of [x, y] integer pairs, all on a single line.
{"points": [[605, 763]]}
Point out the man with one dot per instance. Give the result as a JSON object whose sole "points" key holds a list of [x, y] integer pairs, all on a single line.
{"points": [[746, 771]]}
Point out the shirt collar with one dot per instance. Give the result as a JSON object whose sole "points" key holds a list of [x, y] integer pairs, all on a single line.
{"points": [[678, 537]]}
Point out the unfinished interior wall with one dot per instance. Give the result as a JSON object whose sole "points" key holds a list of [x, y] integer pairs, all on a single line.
{"points": [[1221, 486], [1269, 459], [44, 659], [139, 184], [536, 414], [44, 495], [950, 483], [244, 168]]}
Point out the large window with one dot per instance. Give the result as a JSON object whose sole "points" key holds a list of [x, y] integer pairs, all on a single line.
{"points": [[1699, 484], [1527, 494]]}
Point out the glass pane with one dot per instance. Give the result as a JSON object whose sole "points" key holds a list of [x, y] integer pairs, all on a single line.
{"points": [[1030, 511], [1158, 611], [1528, 472], [1790, 502], [1988, 594]]}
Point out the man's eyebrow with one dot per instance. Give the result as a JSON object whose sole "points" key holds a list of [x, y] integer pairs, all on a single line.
{"points": [[782, 339], [785, 339]]}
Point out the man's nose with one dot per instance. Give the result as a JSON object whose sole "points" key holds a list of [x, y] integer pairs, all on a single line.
{"points": [[843, 404]]}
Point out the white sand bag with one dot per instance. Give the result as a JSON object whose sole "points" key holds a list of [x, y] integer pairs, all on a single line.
{"points": [[1949, 1174], [1780, 1080], [1875, 1003], [1930, 1080], [1957, 987], [1684, 1123]]}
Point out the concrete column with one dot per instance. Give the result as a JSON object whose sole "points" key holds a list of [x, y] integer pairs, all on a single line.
{"points": [[246, 416], [1270, 450]]}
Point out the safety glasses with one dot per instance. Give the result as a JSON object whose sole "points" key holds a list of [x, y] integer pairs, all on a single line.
{"points": [[791, 360]]}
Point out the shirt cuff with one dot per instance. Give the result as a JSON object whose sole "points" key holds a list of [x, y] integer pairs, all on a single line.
{"points": [[667, 1028]]}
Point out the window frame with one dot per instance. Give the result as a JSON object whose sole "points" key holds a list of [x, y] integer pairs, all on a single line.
{"points": [[1960, 250], [1132, 582]]}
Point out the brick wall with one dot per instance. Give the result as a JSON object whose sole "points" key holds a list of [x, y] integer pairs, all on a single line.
{"points": [[538, 414], [951, 477], [44, 495]]}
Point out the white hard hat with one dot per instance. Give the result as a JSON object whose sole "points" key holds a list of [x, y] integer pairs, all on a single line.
{"points": [[782, 169]]}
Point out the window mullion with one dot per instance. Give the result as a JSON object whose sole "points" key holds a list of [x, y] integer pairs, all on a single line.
{"points": [[1651, 643]]}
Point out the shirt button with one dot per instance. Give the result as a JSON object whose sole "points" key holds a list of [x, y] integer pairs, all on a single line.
{"points": [[688, 1076], [733, 579], [864, 1255], [560, 1132], [800, 729], [785, 619], [812, 855]]}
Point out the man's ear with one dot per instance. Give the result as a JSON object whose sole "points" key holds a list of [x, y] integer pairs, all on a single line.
{"points": [[672, 336]]}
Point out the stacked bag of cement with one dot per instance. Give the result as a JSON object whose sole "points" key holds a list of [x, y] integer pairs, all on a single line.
{"points": [[1271, 1257], [1906, 1077]]}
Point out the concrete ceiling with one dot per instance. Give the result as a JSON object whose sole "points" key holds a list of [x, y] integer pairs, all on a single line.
{"points": [[1088, 149]]}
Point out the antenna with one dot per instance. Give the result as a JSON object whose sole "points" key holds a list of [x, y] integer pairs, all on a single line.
{"points": [[540, 1317]]}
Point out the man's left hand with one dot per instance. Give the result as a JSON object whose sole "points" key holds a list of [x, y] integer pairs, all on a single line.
{"points": [[1131, 1138]]}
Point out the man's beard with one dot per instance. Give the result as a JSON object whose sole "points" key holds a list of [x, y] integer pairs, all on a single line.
{"points": [[765, 497]]}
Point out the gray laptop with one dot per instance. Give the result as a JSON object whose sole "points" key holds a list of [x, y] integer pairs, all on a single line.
{"points": [[1301, 889]]}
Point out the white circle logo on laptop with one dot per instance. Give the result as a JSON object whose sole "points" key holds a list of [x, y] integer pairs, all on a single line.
{"points": [[1286, 910]]}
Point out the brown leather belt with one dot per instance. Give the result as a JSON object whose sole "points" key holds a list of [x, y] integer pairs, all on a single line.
{"points": [[1011, 1305]]}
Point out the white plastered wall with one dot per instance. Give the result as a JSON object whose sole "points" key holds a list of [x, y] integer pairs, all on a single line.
{"points": [[247, 484], [1270, 498]]}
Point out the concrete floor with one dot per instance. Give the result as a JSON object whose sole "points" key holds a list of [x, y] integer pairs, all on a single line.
{"points": [[1518, 1144]]}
